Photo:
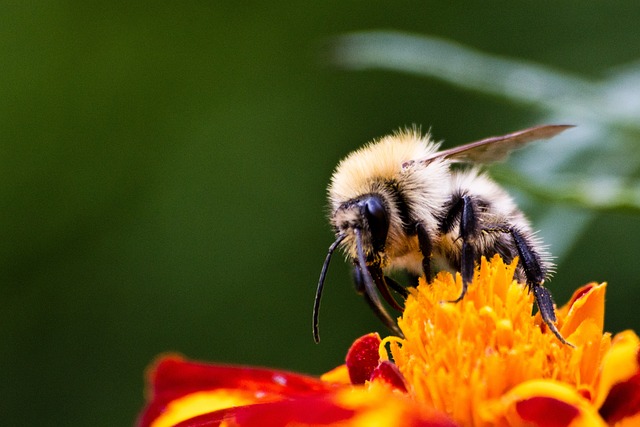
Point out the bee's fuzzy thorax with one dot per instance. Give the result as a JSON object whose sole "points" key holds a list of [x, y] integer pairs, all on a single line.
{"points": [[381, 159]]}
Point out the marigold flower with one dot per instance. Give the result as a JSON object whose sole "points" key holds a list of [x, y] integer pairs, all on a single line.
{"points": [[484, 361]]}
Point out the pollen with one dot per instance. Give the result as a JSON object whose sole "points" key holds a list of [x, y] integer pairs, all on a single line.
{"points": [[462, 358]]}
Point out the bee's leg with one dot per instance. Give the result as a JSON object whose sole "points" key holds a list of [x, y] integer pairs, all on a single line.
{"points": [[414, 281], [426, 247], [383, 283], [397, 287], [383, 286], [378, 309], [382, 314], [464, 208], [534, 271]]}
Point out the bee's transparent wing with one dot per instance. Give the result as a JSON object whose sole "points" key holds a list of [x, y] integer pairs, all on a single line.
{"points": [[495, 148]]}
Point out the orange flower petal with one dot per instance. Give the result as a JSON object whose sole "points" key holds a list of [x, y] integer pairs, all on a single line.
{"points": [[587, 303]]}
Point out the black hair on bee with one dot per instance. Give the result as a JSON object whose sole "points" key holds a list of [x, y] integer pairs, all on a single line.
{"points": [[397, 204]]}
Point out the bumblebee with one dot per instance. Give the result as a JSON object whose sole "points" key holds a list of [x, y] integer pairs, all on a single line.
{"points": [[399, 203]]}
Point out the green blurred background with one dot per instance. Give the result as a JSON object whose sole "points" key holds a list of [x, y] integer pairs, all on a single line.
{"points": [[164, 170]]}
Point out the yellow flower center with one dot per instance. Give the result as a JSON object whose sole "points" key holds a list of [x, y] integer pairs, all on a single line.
{"points": [[458, 357]]}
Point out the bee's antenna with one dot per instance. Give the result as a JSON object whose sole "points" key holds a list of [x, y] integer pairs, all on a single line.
{"points": [[323, 274], [370, 290]]}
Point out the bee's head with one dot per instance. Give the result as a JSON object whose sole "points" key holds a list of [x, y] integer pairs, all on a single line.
{"points": [[362, 226], [368, 214]]}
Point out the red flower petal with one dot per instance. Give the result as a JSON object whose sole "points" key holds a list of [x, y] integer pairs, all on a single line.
{"points": [[622, 401], [543, 403], [303, 411], [547, 411], [327, 409], [389, 373], [363, 358], [191, 394], [172, 378]]}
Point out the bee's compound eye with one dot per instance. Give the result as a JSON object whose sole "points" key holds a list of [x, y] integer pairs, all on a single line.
{"points": [[378, 221]]}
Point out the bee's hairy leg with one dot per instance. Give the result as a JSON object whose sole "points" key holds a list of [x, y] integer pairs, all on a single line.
{"points": [[426, 247], [530, 260], [463, 207], [535, 274]]}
